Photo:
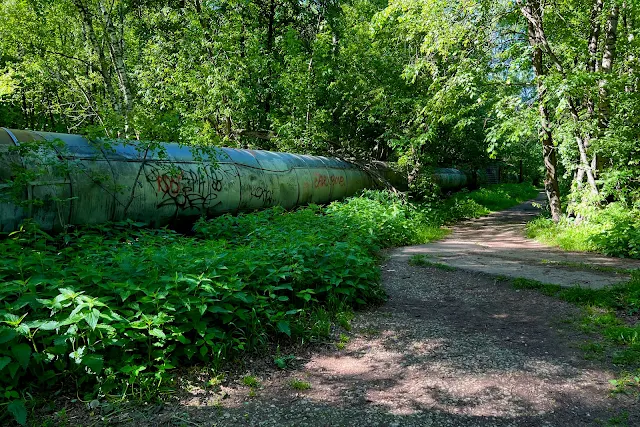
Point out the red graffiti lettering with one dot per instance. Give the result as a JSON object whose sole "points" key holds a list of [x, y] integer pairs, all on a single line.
{"points": [[324, 180], [320, 181], [337, 180], [169, 184]]}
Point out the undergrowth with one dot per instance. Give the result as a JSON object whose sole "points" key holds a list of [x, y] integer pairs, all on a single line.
{"points": [[110, 311], [612, 313], [491, 198], [613, 230]]}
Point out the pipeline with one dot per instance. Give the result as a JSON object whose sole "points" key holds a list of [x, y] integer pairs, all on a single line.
{"points": [[448, 179], [64, 179]]}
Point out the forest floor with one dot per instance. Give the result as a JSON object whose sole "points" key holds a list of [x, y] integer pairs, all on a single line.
{"points": [[451, 347]]}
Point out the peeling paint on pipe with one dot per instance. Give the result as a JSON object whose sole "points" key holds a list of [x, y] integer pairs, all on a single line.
{"points": [[72, 180]]}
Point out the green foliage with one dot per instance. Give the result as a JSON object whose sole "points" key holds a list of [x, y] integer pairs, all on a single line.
{"points": [[250, 381], [282, 361], [116, 307], [481, 202], [613, 230], [342, 342], [499, 196]]}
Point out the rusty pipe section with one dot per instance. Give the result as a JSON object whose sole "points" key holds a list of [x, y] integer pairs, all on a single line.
{"points": [[64, 179]]}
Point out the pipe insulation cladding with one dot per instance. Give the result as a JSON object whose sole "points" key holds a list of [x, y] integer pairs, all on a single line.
{"points": [[61, 179]]}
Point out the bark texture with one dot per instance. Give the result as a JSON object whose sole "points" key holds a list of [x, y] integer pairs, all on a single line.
{"points": [[532, 12]]}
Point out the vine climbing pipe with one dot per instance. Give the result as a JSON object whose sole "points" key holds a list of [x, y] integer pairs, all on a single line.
{"points": [[64, 179]]}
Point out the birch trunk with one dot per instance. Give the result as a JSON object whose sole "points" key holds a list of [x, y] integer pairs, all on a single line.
{"points": [[531, 10], [104, 68], [608, 56], [117, 56]]}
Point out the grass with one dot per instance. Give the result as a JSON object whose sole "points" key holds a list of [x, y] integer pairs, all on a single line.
{"points": [[492, 198], [344, 319], [612, 314], [613, 230], [566, 234], [250, 381], [422, 261], [342, 342], [117, 307], [299, 385]]}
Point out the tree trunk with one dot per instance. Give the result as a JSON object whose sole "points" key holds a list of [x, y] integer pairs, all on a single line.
{"points": [[592, 66], [521, 173], [531, 10], [117, 56], [550, 159], [104, 67], [584, 163], [271, 15], [608, 56], [594, 35]]}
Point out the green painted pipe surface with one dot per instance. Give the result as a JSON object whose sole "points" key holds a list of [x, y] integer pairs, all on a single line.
{"points": [[71, 180]]}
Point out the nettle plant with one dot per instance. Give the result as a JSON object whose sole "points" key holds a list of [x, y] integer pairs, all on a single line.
{"points": [[111, 310]]}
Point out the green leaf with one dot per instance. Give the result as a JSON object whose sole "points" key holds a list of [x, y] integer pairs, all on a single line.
{"points": [[7, 335], [95, 362], [4, 361], [22, 353], [284, 327], [18, 410], [157, 333], [204, 350], [218, 309], [182, 339], [49, 326], [13, 368], [202, 308], [92, 318]]}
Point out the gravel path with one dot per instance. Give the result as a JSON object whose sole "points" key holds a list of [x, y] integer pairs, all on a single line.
{"points": [[449, 348]]}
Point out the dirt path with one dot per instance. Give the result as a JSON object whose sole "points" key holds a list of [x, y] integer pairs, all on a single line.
{"points": [[449, 348], [496, 245]]}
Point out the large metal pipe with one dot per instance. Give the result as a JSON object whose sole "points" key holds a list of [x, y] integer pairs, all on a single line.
{"points": [[63, 179], [448, 179]]}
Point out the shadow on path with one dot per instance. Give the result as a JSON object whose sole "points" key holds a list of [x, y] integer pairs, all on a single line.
{"points": [[449, 348]]}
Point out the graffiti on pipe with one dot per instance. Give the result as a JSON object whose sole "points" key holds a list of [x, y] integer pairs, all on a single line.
{"points": [[187, 188], [320, 180], [264, 194]]}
